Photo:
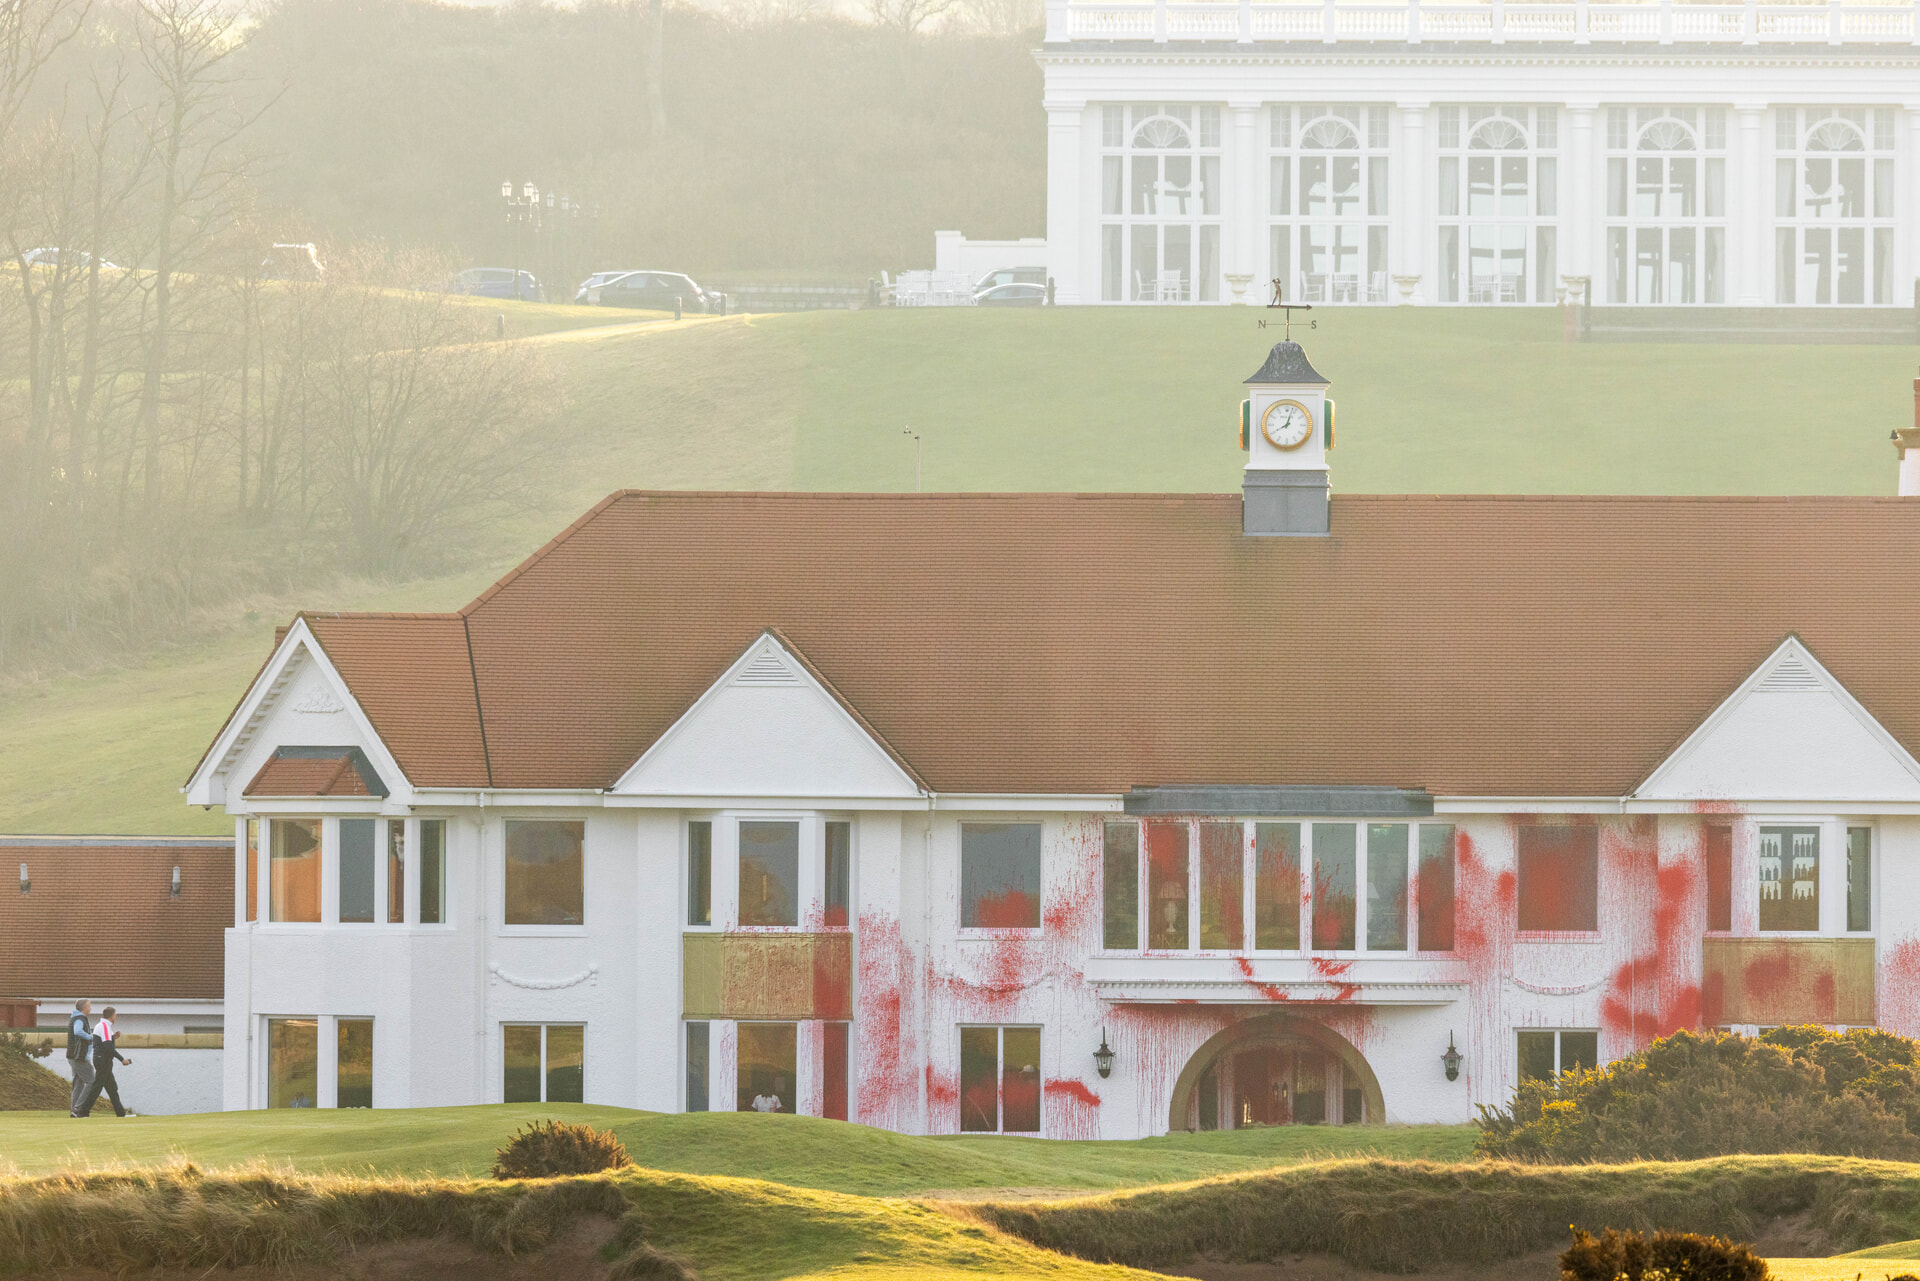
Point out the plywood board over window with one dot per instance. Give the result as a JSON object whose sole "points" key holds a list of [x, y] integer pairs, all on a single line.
{"points": [[1778, 981]]}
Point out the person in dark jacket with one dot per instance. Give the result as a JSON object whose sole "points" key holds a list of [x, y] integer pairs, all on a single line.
{"points": [[80, 1040], [104, 1054]]}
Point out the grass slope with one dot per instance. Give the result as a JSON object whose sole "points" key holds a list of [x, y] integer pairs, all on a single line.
{"points": [[1080, 398], [1401, 1216], [27, 1085], [799, 1151]]}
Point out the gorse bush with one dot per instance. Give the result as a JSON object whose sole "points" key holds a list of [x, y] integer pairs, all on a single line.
{"points": [[547, 1149], [1658, 1256], [1792, 1089]]}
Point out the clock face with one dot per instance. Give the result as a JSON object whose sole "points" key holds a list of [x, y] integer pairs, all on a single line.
{"points": [[1286, 424]]}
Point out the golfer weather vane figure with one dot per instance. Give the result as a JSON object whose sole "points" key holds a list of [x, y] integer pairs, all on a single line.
{"points": [[1279, 303]]}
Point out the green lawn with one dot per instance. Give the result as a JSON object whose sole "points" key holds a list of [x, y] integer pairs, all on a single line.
{"points": [[799, 1151], [1431, 400]]}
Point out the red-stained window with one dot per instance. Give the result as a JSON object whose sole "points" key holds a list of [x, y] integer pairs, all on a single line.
{"points": [[839, 876], [833, 1071], [1000, 876], [1276, 886], [1122, 884], [1167, 887], [1223, 848], [1436, 887], [1335, 886], [1718, 842], [1000, 1080], [1559, 878]]}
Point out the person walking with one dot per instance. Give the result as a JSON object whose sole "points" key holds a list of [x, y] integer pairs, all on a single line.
{"points": [[104, 1054], [80, 1052]]}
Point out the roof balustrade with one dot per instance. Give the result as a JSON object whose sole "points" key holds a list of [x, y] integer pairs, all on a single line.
{"points": [[1488, 21]]}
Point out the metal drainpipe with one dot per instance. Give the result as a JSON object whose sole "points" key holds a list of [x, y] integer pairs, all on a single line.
{"points": [[926, 942], [480, 923]]}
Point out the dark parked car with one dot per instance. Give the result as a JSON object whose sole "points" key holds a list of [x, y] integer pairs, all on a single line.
{"points": [[496, 282], [656, 291], [1021, 295], [1010, 276]]}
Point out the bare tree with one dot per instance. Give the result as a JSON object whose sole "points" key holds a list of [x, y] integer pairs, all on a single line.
{"points": [[1006, 19], [185, 46], [906, 16]]}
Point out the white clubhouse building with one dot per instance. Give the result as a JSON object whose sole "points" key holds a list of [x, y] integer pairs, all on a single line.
{"points": [[1756, 153], [1084, 815]]}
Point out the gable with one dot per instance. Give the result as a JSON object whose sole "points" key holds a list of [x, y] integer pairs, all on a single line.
{"points": [[1790, 732], [768, 727], [298, 722]]}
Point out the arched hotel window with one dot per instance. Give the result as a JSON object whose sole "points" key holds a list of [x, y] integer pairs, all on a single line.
{"points": [[1499, 199], [1327, 198], [1160, 203], [1666, 205], [1833, 193]]}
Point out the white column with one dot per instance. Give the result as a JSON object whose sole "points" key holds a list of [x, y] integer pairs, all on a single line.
{"points": [[1581, 220], [1242, 233], [1407, 204], [1750, 216], [239, 871], [327, 1070], [1068, 208], [1909, 217]]}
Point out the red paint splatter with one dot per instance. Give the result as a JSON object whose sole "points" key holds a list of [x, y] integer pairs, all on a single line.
{"points": [[887, 1093], [1008, 910], [832, 980], [1897, 1003], [1266, 990], [1335, 972], [1073, 1110]]}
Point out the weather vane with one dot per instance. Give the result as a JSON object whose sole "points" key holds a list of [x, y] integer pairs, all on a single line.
{"points": [[1279, 303]]}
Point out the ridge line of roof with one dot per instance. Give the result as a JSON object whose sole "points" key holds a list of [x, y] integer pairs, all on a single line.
{"points": [[794, 495], [846, 704], [591, 514], [479, 708]]}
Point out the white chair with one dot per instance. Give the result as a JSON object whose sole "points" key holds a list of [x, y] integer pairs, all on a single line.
{"points": [[1343, 286], [1313, 287], [1509, 288], [1377, 287], [1173, 287]]}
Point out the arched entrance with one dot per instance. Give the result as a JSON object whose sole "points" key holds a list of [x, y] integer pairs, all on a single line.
{"points": [[1277, 1069]]}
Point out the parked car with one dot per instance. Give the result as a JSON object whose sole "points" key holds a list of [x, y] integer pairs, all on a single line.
{"points": [[49, 256], [291, 262], [496, 282], [654, 290], [596, 280], [1010, 276], [1012, 295]]}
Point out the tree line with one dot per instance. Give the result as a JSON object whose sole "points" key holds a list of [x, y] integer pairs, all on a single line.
{"points": [[176, 425]]}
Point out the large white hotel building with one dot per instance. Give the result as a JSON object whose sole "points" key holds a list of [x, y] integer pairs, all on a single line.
{"points": [[1749, 154]]}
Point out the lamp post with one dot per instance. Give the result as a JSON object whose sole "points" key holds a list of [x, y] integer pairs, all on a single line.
{"points": [[522, 210]]}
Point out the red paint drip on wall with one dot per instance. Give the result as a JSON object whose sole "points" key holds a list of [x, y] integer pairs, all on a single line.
{"points": [[1897, 1003], [1266, 990], [1072, 1111], [887, 1093], [1335, 972]]}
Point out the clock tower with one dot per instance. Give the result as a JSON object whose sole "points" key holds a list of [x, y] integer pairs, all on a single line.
{"points": [[1286, 427]]}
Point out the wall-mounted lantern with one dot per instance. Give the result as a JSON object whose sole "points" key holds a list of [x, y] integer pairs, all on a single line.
{"points": [[26, 882], [173, 891], [1452, 1059], [1103, 1057]]}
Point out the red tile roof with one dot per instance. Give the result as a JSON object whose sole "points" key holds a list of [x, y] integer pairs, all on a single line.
{"points": [[341, 771], [101, 921], [1084, 643]]}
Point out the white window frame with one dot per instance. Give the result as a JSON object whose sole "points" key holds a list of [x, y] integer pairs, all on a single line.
{"points": [[500, 1060], [1248, 866], [999, 1074], [1796, 129], [1204, 134], [586, 879], [1559, 1054], [1290, 126], [1458, 127], [1633, 135]]}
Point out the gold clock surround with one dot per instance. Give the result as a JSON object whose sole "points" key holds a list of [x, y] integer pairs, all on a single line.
{"points": [[1266, 424]]}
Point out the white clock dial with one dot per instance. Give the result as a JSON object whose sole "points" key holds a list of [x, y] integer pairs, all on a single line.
{"points": [[1286, 424]]}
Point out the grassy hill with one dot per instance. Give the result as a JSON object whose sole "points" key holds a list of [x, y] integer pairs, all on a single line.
{"points": [[746, 1198], [1430, 400], [802, 1152]]}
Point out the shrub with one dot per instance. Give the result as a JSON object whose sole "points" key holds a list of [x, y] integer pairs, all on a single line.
{"points": [[1690, 1095], [15, 1042], [547, 1149], [1658, 1256]]}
